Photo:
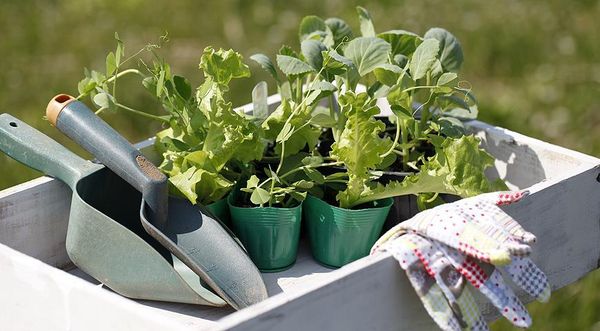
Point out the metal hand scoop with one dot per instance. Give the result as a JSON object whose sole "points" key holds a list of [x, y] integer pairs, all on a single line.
{"points": [[104, 236], [189, 232]]}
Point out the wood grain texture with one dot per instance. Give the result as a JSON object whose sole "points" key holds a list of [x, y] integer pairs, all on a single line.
{"points": [[33, 220]]}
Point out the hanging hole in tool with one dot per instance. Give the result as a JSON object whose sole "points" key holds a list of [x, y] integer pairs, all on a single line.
{"points": [[13, 124]]}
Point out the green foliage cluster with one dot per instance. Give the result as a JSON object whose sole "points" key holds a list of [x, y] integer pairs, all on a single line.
{"points": [[331, 86], [418, 77]]}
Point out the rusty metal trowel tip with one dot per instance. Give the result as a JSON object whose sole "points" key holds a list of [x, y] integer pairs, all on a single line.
{"points": [[56, 105]]}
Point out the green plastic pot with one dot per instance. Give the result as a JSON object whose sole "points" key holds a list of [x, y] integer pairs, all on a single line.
{"points": [[269, 234], [221, 210], [339, 236]]}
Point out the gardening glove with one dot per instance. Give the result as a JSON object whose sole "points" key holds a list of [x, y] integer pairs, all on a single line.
{"points": [[440, 287], [474, 234]]}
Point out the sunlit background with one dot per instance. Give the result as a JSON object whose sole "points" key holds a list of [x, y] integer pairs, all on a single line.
{"points": [[534, 66]]}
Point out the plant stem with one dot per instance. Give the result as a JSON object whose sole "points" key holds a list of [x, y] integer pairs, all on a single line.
{"points": [[308, 166], [405, 150], [141, 113], [395, 139]]}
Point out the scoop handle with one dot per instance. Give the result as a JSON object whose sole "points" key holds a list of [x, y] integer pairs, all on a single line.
{"points": [[38, 151], [77, 121]]}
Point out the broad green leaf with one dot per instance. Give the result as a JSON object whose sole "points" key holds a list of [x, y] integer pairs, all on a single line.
{"points": [[323, 86], [285, 133], [387, 73], [312, 51], [401, 60], [287, 50], [314, 175], [447, 78], [436, 68], [85, 86], [105, 100], [451, 127], [312, 97], [450, 51], [120, 52], [402, 42], [307, 136], [464, 114], [367, 53], [401, 112], [340, 29], [252, 182], [312, 160], [323, 120], [311, 25], [303, 184], [265, 62], [423, 58], [260, 107], [293, 66], [285, 90], [366, 23], [335, 64], [111, 64], [183, 87], [298, 196], [160, 83], [260, 196], [319, 90]]}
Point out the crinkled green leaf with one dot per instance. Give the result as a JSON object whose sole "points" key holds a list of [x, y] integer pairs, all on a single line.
{"points": [[223, 65], [293, 66], [402, 42], [359, 145], [423, 58], [201, 186], [457, 168], [450, 51], [366, 23], [367, 53]]}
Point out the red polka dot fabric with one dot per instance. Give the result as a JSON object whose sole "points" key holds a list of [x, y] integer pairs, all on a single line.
{"points": [[471, 241]]}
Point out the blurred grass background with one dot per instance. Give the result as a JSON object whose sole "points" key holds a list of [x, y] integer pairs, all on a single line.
{"points": [[534, 66]]}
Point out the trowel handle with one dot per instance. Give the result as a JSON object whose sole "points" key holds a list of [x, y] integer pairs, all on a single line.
{"points": [[38, 151], [77, 121]]}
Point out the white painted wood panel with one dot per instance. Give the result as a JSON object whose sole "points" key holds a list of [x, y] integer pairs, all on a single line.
{"points": [[369, 294]]}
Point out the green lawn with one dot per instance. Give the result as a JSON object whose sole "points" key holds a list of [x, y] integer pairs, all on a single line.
{"points": [[534, 66]]}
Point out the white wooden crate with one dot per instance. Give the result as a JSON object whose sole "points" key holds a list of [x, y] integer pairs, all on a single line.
{"points": [[41, 290]]}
